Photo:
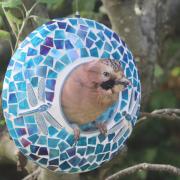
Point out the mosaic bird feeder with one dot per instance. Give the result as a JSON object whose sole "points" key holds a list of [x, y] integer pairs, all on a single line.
{"points": [[32, 87]]}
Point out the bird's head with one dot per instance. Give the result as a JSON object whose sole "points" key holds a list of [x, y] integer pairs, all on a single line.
{"points": [[107, 74]]}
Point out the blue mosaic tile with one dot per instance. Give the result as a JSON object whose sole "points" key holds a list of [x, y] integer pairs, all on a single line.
{"points": [[42, 140], [31, 52], [19, 121], [12, 98], [116, 55], [43, 161], [52, 27], [81, 151], [65, 165], [32, 129], [54, 162], [20, 131], [92, 141], [53, 153], [49, 42], [34, 148], [70, 29], [105, 55], [99, 148], [33, 138], [29, 119], [63, 156], [52, 131], [74, 161], [90, 23], [36, 41], [73, 55], [84, 52], [73, 21], [63, 146], [108, 33], [59, 44], [89, 42], [59, 34], [92, 35], [44, 32], [62, 134], [49, 61], [94, 52], [82, 34], [90, 150], [99, 44], [38, 59], [43, 151], [59, 66], [61, 25], [24, 104], [68, 45], [52, 143], [52, 74], [44, 50], [65, 59]]}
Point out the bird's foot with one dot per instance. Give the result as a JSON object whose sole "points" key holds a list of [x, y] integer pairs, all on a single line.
{"points": [[76, 131], [102, 127]]}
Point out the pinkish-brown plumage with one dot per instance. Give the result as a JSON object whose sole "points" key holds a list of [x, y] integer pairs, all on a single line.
{"points": [[83, 97]]}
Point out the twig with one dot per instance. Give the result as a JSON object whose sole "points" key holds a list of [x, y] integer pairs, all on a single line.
{"points": [[146, 167], [28, 13], [9, 22], [169, 114], [33, 175]]}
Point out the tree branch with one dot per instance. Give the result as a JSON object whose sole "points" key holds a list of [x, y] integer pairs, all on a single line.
{"points": [[146, 167], [33, 175], [168, 113]]}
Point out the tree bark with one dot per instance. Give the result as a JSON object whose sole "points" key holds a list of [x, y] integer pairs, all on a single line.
{"points": [[144, 25]]}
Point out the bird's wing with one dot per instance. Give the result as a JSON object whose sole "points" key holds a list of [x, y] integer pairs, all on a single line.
{"points": [[51, 120], [41, 123], [31, 95], [41, 90]]}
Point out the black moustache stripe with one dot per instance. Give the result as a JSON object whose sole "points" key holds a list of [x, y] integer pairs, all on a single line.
{"points": [[108, 84]]}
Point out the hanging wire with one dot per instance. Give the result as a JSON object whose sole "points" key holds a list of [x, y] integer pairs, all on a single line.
{"points": [[77, 14]]}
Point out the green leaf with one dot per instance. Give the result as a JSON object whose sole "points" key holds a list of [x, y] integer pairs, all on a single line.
{"points": [[11, 3], [176, 72], [4, 35]]}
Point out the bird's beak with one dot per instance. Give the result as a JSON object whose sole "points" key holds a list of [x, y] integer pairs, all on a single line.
{"points": [[123, 81]]}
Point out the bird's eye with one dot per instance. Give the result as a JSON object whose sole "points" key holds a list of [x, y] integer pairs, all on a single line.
{"points": [[106, 74]]}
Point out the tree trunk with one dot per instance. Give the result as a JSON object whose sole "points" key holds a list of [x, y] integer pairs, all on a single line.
{"points": [[144, 25]]}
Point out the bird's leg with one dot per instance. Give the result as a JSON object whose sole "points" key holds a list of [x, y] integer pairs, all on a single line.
{"points": [[76, 131], [102, 127]]}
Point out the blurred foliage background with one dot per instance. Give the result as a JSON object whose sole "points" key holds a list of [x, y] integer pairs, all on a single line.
{"points": [[155, 141]]}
